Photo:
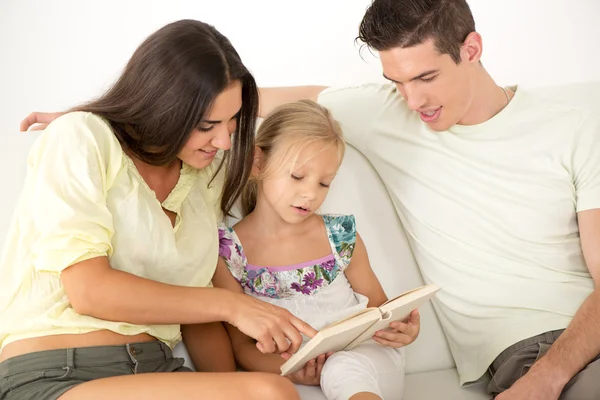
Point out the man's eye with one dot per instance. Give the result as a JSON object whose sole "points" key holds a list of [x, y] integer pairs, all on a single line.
{"points": [[428, 79]]}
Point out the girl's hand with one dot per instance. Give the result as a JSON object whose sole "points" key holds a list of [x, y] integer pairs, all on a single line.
{"points": [[310, 375], [274, 328], [400, 333]]}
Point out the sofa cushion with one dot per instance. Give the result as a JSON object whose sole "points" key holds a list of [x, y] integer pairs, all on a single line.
{"points": [[358, 190]]}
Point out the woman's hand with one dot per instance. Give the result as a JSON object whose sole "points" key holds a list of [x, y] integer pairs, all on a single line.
{"points": [[275, 329], [42, 119], [310, 375], [400, 333]]}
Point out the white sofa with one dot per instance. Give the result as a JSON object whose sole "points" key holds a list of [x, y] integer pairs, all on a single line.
{"points": [[431, 373]]}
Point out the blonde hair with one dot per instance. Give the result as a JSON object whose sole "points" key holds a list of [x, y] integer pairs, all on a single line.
{"points": [[284, 134]]}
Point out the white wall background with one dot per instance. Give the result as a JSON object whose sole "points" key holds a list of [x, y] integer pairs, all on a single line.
{"points": [[55, 54]]}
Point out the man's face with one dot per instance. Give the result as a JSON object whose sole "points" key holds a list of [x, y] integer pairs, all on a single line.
{"points": [[432, 84]]}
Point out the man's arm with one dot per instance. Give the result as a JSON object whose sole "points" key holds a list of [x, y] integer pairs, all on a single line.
{"points": [[579, 344], [272, 97]]}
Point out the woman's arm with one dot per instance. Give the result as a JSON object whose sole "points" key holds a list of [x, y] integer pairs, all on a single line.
{"points": [[209, 347], [95, 289]]}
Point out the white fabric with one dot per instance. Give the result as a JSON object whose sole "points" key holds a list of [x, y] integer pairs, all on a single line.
{"points": [[490, 210], [326, 306], [369, 367]]}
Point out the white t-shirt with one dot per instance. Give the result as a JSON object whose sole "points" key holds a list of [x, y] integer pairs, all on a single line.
{"points": [[489, 210]]}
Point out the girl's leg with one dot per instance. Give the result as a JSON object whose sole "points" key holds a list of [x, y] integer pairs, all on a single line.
{"points": [[186, 385], [370, 371], [365, 396]]}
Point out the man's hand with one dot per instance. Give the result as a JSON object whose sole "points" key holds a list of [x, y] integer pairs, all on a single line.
{"points": [[39, 120], [400, 333], [535, 385]]}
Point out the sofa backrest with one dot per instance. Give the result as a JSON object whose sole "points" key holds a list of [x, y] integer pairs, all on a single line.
{"points": [[358, 190]]}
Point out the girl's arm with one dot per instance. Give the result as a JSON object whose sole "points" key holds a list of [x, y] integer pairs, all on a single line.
{"points": [[363, 281], [209, 347], [361, 276], [244, 347]]}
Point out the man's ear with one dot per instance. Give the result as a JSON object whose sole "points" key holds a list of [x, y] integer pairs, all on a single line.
{"points": [[472, 48], [257, 162]]}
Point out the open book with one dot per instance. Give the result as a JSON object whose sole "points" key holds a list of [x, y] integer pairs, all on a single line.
{"points": [[359, 327]]}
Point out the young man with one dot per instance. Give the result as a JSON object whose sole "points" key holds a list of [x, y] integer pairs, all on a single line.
{"points": [[499, 193]]}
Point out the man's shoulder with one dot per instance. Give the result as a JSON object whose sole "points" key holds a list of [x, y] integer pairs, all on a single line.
{"points": [[571, 100], [359, 101]]}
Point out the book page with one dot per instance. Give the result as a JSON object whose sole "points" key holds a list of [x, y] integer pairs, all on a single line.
{"points": [[397, 309], [333, 338]]}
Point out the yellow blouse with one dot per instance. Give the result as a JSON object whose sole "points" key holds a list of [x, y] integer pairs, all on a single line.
{"points": [[83, 198]]}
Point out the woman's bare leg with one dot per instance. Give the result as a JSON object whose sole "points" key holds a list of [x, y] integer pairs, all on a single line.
{"points": [[186, 385]]}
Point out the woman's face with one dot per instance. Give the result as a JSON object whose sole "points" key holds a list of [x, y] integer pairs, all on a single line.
{"points": [[214, 132]]}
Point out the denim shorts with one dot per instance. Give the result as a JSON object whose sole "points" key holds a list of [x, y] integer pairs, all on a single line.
{"points": [[46, 375]]}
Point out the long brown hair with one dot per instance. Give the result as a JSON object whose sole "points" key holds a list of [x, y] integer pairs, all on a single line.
{"points": [[165, 90], [284, 134]]}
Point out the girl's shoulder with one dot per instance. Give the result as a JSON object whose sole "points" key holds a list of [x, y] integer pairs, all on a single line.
{"points": [[341, 228], [230, 247]]}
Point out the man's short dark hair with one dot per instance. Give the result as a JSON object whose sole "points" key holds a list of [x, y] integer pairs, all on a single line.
{"points": [[405, 23]]}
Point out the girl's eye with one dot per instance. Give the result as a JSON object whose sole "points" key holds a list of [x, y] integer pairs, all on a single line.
{"points": [[324, 185], [297, 178]]}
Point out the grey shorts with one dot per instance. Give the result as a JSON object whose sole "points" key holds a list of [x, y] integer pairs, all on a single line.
{"points": [[46, 375], [515, 361]]}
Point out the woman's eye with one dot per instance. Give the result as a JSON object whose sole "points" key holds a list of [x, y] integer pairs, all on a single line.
{"points": [[203, 129]]}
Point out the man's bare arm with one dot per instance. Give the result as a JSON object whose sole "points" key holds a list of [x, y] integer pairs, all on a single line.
{"points": [[579, 344], [272, 97]]}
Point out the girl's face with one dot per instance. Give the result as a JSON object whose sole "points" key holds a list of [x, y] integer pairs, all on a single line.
{"points": [[214, 132], [300, 188]]}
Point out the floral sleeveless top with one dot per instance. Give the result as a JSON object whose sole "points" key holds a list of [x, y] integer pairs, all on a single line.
{"points": [[302, 279]]}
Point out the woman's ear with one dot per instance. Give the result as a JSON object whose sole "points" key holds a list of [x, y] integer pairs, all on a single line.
{"points": [[257, 162]]}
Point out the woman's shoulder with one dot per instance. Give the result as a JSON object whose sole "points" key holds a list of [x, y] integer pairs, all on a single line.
{"points": [[79, 127]]}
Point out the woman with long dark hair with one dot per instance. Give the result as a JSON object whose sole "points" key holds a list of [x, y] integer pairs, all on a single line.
{"points": [[111, 252]]}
